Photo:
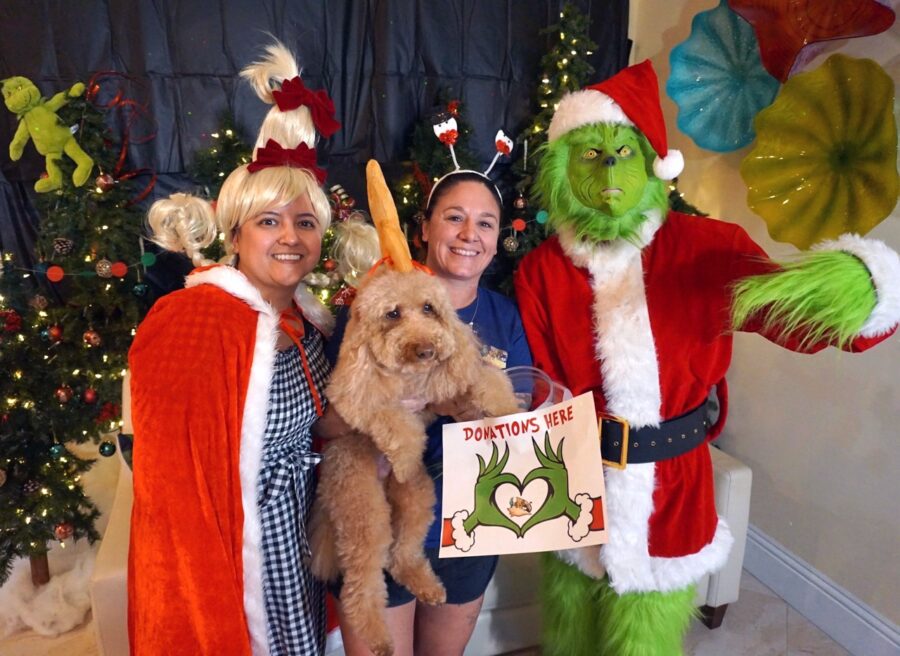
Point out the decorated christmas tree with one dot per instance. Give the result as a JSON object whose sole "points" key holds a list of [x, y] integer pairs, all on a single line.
{"points": [[65, 328], [564, 68]]}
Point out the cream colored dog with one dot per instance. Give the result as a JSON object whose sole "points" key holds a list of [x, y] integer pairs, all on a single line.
{"points": [[404, 348]]}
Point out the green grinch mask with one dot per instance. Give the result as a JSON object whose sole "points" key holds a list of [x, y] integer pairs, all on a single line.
{"points": [[598, 180], [607, 169]]}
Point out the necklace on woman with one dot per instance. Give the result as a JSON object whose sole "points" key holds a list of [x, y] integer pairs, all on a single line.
{"points": [[471, 320]]}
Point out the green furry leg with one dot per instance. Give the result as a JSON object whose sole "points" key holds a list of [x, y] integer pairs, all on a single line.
{"points": [[586, 617], [644, 623]]}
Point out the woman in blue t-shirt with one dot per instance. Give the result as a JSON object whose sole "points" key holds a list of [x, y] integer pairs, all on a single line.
{"points": [[461, 230]]}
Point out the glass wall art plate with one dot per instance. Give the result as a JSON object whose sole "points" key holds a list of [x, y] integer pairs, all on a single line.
{"points": [[718, 81], [784, 27], [825, 157]]}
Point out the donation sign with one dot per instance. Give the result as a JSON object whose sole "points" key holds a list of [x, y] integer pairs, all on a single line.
{"points": [[526, 482]]}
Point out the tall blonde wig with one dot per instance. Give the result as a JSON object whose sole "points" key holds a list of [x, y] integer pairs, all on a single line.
{"points": [[185, 223]]}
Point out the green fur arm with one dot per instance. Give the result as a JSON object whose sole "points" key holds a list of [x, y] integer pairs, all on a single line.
{"points": [[824, 296], [57, 101]]}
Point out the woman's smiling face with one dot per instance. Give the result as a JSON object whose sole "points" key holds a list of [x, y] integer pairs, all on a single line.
{"points": [[462, 231], [278, 247]]}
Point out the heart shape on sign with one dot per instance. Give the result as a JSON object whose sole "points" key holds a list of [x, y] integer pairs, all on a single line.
{"points": [[521, 502]]}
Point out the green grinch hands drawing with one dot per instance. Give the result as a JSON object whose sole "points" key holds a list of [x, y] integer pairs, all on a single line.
{"points": [[489, 510]]}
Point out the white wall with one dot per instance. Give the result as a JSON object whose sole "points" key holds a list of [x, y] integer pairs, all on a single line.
{"points": [[821, 433]]}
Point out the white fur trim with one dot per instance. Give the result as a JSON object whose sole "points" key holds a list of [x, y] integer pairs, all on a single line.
{"points": [[668, 167], [584, 107], [236, 283], [624, 342], [232, 281], [629, 504], [253, 428], [884, 267], [252, 433], [677, 573], [629, 496]]}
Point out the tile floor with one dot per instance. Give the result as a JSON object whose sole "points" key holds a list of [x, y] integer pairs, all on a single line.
{"points": [[759, 624]]}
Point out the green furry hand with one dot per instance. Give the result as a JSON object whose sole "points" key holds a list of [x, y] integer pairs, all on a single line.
{"points": [[554, 472], [490, 477]]}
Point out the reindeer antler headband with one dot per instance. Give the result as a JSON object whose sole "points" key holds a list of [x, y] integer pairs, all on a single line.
{"points": [[446, 131]]}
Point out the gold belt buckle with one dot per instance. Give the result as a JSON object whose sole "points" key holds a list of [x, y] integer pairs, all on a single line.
{"points": [[623, 457]]}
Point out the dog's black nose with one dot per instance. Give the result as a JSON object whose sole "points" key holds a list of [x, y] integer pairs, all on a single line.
{"points": [[424, 351]]}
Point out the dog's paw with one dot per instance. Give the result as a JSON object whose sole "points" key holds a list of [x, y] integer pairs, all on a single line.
{"points": [[382, 648], [432, 594], [379, 641]]}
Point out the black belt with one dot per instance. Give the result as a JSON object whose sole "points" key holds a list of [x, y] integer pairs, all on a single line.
{"points": [[621, 445]]}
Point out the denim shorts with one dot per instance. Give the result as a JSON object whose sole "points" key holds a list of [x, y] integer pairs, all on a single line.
{"points": [[465, 579]]}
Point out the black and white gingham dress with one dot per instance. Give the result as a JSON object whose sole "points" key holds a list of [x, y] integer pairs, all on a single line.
{"points": [[295, 602]]}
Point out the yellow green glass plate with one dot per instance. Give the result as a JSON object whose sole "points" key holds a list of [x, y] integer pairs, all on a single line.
{"points": [[825, 158]]}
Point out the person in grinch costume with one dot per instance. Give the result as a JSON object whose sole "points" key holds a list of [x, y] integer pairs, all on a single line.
{"points": [[637, 304]]}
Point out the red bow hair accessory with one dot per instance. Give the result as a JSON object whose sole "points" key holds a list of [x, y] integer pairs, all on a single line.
{"points": [[274, 154], [294, 94]]}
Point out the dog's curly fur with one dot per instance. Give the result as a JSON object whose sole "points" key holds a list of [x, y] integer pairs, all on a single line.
{"points": [[403, 341]]}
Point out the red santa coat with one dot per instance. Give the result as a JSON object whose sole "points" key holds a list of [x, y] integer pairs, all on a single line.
{"points": [[647, 331], [201, 366]]}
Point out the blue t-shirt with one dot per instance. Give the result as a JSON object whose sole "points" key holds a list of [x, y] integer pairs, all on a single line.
{"points": [[498, 325]]}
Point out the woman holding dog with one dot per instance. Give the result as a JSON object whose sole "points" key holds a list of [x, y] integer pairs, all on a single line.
{"points": [[227, 380], [461, 229]]}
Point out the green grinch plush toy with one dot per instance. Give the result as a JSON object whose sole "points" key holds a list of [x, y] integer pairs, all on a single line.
{"points": [[38, 121], [637, 304]]}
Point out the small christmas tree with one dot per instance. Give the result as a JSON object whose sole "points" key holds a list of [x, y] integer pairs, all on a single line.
{"points": [[564, 68], [65, 329]]}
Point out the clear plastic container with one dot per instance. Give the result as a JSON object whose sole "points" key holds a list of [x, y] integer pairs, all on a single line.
{"points": [[535, 389]]}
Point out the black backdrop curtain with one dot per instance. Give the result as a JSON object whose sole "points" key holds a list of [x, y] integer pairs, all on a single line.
{"points": [[383, 61]]}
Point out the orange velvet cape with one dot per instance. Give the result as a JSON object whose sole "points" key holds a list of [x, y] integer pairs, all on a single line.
{"points": [[201, 366]]}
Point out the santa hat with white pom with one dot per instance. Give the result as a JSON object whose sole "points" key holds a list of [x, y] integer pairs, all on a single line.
{"points": [[630, 97]]}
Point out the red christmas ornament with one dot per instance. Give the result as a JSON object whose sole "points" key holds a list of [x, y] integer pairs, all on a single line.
{"points": [[329, 265], [89, 396], [518, 225], [63, 394], [119, 269], [108, 412], [63, 530], [55, 273], [55, 332], [12, 320], [453, 107], [105, 182], [92, 338]]}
